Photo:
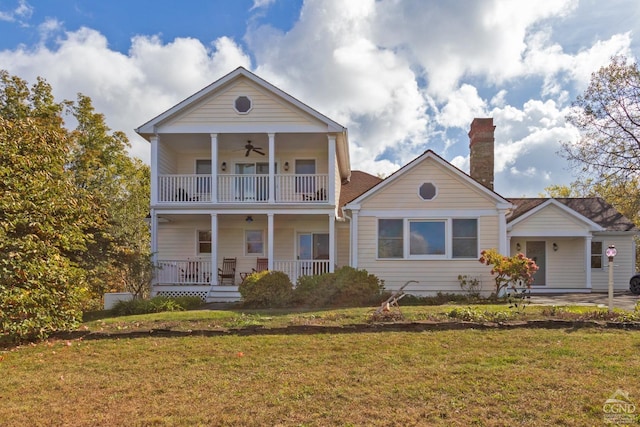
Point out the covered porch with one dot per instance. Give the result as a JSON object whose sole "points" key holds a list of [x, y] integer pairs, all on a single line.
{"points": [[190, 247]]}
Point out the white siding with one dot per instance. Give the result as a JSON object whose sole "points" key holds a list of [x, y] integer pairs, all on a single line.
{"points": [[622, 265]]}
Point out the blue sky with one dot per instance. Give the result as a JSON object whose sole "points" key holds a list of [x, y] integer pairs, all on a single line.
{"points": [[403, 76]]}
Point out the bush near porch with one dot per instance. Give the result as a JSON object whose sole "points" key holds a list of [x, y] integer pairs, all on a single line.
{"points": [[346, 287]]}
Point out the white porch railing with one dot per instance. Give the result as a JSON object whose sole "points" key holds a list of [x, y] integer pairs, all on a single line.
{"points": [[295, 269], [240, 188], [184, 188], [181, 272], [199, 272]]}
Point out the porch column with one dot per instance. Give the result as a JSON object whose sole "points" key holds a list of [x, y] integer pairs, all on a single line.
{"points": [[272, 171], [354, 238], [332, 241], [214, 249], [154, 169], [503, 248], [214, 167], [587, 260], [331, 185], [270, 234], [154, 243]]}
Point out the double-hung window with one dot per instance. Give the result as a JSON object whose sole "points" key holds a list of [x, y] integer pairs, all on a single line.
{"points": [[596, 254], [400, 238]]}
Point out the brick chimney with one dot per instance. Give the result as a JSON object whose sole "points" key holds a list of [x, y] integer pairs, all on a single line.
{"points": [[481, 141]]}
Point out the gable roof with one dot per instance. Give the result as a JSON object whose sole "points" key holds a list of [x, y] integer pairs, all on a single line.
{"points": [[149, 128], [430, 154], [593, 209]]}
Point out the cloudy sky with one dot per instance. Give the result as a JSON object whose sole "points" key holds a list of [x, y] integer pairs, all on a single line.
{"points": [[402, 75]]}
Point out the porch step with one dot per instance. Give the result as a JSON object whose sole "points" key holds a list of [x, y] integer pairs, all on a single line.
{"points": [[223, 294]]}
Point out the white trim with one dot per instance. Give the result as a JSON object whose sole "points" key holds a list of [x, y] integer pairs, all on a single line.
{"points": [[197, 251], [270, 237], [546, 233], [214, 167], [422, 213], [272, 168], [332, 242], [587, 252], [353, 247], [302, 210], [503, 241], [331, 185], [154, 140], [214, 249]]}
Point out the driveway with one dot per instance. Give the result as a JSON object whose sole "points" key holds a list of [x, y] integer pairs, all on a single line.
{"points": [[624, 300]]}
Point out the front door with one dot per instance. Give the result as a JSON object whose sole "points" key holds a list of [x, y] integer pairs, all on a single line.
{"points": [[536, 250]]}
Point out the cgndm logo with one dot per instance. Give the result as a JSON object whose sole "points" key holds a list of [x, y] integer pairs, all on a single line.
{"points": [[619, 409]]}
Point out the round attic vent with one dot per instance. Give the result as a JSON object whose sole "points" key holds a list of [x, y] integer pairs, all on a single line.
{"points": [[242, 104], [427, 191]]}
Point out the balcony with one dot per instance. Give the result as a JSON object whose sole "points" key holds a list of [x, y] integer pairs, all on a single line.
{"points": [[243, 188]]}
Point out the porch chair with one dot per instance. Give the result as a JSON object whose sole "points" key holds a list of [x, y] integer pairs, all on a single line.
{"points": [[228, 271], [262, 264]]}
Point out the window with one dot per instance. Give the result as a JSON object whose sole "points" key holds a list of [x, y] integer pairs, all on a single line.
{"points": [[390, 241], [427, 238], [465, 238], [596, 254], [203, 183], [427, 191], [242, 104], [204, 242], [254, 242]]}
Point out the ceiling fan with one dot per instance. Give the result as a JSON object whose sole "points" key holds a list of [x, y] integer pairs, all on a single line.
{"points": [[249, 147]]}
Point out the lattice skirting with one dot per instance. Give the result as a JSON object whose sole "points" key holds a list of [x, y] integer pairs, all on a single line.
{"points": [[185, 293]]}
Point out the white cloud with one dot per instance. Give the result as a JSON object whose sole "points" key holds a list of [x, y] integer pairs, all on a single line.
{"points": [[128, 89], [402, 75], [21, 13]]}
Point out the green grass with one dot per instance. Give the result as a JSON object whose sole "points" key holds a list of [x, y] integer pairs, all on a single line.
{"points": [[535, 377]]}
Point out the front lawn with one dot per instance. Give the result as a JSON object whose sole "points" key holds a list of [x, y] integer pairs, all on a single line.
{"points": [[463, 377]]}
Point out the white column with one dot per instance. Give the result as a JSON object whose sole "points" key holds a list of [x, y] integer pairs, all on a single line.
{"points": [[154, 169], [214, 249], [354, 238], [154, 242], [214, 167], [331, 190], [587, 260], [509, 245], [332, 241], [502, 231], [270, 238], [272, 170]]}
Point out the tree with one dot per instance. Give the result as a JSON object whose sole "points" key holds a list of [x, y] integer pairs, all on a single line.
{"points": [[608, 116], [72, 209], [43, 219], [119, 258]]}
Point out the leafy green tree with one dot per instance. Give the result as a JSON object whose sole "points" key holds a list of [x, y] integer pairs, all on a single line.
{"points": [[608, 117], [43, 219], [119, 258]]}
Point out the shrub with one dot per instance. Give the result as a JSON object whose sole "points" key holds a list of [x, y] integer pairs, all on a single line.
{"points": [[267, 289], [346, 287], [155, 305], [470, 285]]}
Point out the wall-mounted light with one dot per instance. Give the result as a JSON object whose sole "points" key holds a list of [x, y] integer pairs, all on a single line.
{"points": [[518, 247], [249, 219], [223, 166], [286, 166], [555, 247]]}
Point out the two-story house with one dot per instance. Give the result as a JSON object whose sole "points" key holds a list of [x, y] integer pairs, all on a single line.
{"points": [[244, 177]]}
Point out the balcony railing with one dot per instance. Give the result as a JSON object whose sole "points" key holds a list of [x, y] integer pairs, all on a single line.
{"points": [[237, 188], [199, 272]]}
